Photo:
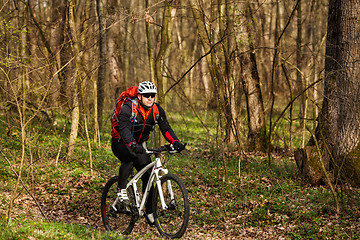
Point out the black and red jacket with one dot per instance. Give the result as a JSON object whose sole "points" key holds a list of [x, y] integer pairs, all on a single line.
{"points": [[137, 128]]}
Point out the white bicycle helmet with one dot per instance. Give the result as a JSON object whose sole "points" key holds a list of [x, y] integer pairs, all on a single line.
{"points": [[147, 87]]}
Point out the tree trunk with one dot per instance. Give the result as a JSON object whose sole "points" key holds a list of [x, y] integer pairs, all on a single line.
{"points": [[207, 84], [315, 47], [149, 46], [102, 61], [65, 51], [55, 42], [254, 101], [300, 78], [160, 57], [338, 130], [165, 42], [75, 112], [126, 48], [225, 23]]}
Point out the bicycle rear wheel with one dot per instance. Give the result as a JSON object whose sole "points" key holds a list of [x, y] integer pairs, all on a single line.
{"points": [[171, 222], [122, 219]]}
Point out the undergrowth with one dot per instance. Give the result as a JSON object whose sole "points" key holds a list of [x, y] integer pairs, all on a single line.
{"points": [[236, 197]]}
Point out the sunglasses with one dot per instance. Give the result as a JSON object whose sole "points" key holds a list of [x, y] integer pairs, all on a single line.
{"points": [[148, 95]]}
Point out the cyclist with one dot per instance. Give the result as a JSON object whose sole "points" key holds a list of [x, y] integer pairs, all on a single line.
{"points": [[134, 131]]}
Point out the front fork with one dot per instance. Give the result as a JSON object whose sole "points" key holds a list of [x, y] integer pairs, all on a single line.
{"points": [[160, 191]]}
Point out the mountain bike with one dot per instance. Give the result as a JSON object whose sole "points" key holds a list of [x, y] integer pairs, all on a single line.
{"points": [[171, 208]]}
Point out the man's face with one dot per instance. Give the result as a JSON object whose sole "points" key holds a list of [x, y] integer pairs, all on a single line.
{"points": [[147, 99]]}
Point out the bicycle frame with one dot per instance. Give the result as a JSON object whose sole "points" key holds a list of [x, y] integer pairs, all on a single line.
{"points": [[155, 174]]}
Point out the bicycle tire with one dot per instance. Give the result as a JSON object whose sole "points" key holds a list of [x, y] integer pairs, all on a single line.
{"points": [[173, 221], [122, 220]]}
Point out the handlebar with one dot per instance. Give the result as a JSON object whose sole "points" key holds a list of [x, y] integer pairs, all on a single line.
{"points": [[168, 147]]}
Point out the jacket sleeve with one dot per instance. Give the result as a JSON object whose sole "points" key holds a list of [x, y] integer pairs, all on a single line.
{"points": [[164, 126], [125, 124]]}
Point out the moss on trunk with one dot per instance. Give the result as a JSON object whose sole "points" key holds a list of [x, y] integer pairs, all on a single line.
{"points": [[308, 164], [351, 168]]}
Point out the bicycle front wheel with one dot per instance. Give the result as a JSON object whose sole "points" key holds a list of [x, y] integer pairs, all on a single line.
{"points": [[117, 218], [172, 221]]}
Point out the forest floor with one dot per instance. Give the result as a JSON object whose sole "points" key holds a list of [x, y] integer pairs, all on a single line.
{"points": [[260, 202], [233, 195]]}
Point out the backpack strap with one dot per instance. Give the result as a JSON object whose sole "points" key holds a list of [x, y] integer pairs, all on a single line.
{"points": [[134, 111], [156, 113]]}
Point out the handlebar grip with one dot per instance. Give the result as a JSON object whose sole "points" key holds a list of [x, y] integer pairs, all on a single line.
{"points": [[169, 147]]}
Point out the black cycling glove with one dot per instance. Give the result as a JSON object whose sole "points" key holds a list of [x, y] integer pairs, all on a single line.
{"points": [[137, 148], [178, 146]]}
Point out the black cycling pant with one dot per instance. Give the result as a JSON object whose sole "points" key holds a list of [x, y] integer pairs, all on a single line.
{"points": [[129, 160]]}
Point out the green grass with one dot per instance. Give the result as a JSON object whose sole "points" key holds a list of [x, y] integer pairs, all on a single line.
{"points": [[19, 229]]}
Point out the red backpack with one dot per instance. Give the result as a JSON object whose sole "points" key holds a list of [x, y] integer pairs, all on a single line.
{"points": [[129, 95]]}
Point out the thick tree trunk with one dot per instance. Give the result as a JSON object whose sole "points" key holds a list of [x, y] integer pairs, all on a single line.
{"points": [[254, 102], [338, 131], [254, 105]]}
